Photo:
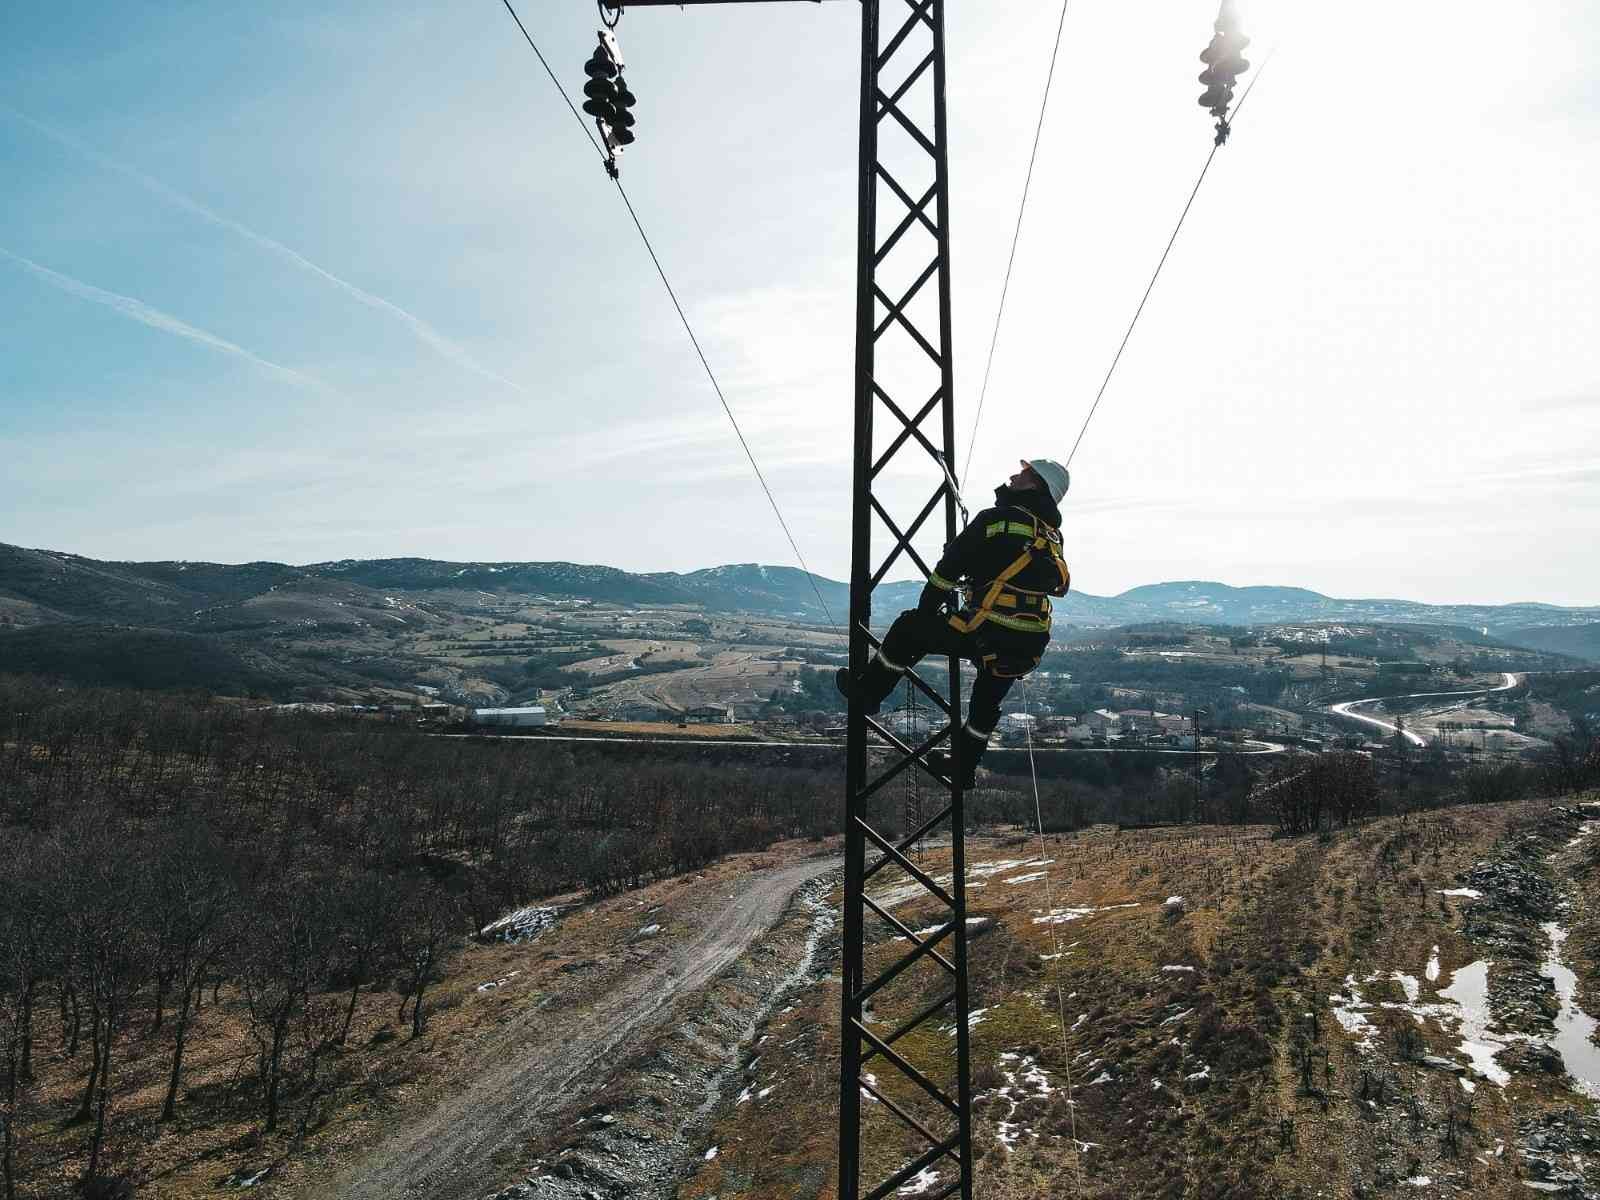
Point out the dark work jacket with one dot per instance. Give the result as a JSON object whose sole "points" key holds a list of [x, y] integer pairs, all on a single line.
{"points": [[977, 558]]}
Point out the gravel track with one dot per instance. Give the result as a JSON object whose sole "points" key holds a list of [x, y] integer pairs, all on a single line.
{"points": [[549, 1061]]}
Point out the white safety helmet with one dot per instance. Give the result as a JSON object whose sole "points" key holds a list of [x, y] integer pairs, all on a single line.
{"points": [[1057, 479]]}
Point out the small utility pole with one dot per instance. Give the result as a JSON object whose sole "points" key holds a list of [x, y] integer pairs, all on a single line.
{"points": [[1198, 713]]}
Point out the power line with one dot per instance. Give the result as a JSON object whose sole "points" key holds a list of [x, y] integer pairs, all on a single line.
{"points": [[712, 375], [682, 316], [582, 124], [1016, 236], [1150, 287]]}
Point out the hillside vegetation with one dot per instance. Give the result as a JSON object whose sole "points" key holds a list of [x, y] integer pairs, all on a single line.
{"points": [[218, 923]]}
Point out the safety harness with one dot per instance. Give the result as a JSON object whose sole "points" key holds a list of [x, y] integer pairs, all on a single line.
{"points": [[1006, 604]]}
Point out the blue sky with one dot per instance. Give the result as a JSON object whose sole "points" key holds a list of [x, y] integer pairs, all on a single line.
{"points": [[291, 283]]}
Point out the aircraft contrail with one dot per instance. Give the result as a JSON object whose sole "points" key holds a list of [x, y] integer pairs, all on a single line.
{"points": [[425, 333], [138, 310]]}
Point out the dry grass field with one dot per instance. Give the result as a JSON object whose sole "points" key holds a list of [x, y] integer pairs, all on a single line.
{"points": [[1182, 1066]]}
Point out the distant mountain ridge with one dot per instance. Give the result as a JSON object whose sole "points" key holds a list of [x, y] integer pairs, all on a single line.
{"points": [[44, 586]]}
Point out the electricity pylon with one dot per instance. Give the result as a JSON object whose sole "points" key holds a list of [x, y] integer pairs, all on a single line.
{"points": [[903, 374]]}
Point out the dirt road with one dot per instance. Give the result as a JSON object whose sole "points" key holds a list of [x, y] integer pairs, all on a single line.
{"points": [[548, 1061]]}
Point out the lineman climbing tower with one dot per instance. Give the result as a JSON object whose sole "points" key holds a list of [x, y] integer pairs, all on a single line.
{"points": [[905, 1094]]}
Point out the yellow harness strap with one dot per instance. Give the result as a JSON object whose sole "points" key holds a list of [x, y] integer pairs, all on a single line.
{"points": [[1001, 593]]}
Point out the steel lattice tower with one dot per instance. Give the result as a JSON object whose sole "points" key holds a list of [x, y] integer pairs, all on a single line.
{"points": [[905, 419], [903, 373]]}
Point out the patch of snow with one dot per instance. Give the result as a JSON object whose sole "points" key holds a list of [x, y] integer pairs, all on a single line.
{"points": [[933, 929], [1574, 1037], [498, 983], [1103, 1077], [1469, 988], [921, 1182], [1060, 916], [1024, 1081], [711, 1154], [1028, 878], [1584, 831], [1409, 984], [523, 925], [1351, 1013], [1469, 893], [1432, 970], [1178, 967]]}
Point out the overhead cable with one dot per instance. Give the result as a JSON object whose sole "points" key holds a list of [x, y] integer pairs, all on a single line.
{"points": [[712, 375], [682, 316], [1150, 287], [1016, 236], [543, 62]]}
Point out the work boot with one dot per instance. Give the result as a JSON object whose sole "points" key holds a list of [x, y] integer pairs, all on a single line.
{"points": [[874, 686]]}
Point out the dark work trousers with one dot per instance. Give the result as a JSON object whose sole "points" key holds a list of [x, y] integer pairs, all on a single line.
{"points": [[1001, 655]]}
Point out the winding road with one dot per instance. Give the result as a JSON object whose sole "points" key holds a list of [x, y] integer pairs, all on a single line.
{"points": [[548, 1060], [1346, 709]]}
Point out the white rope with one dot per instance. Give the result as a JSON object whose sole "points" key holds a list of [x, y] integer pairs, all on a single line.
{"points": [[1055, 938]]}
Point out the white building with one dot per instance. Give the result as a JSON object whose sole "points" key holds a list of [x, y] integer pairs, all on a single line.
{"points": [[516, 718], [1019, 723]]}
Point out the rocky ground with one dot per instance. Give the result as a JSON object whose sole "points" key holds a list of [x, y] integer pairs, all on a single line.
{"points": [[1376, 1011], [647, 1129]]}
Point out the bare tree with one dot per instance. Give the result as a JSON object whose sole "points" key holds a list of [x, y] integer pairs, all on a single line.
{"points": [[193, 900], [284, 958], [107, 888], [429, 923], [366, 925]]}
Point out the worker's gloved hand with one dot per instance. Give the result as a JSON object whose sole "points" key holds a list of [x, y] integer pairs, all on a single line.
{"points": [[931, 602]]}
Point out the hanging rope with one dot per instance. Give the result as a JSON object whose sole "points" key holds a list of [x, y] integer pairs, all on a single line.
{"points": [[1055, 939]]}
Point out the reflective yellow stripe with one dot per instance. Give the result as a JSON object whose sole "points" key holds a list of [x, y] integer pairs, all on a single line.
{"points": [[1016, 527], [939, 581], [1023, 622]]}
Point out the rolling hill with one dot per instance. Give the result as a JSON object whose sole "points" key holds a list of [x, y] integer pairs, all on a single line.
{"points": [[277, 628]]}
